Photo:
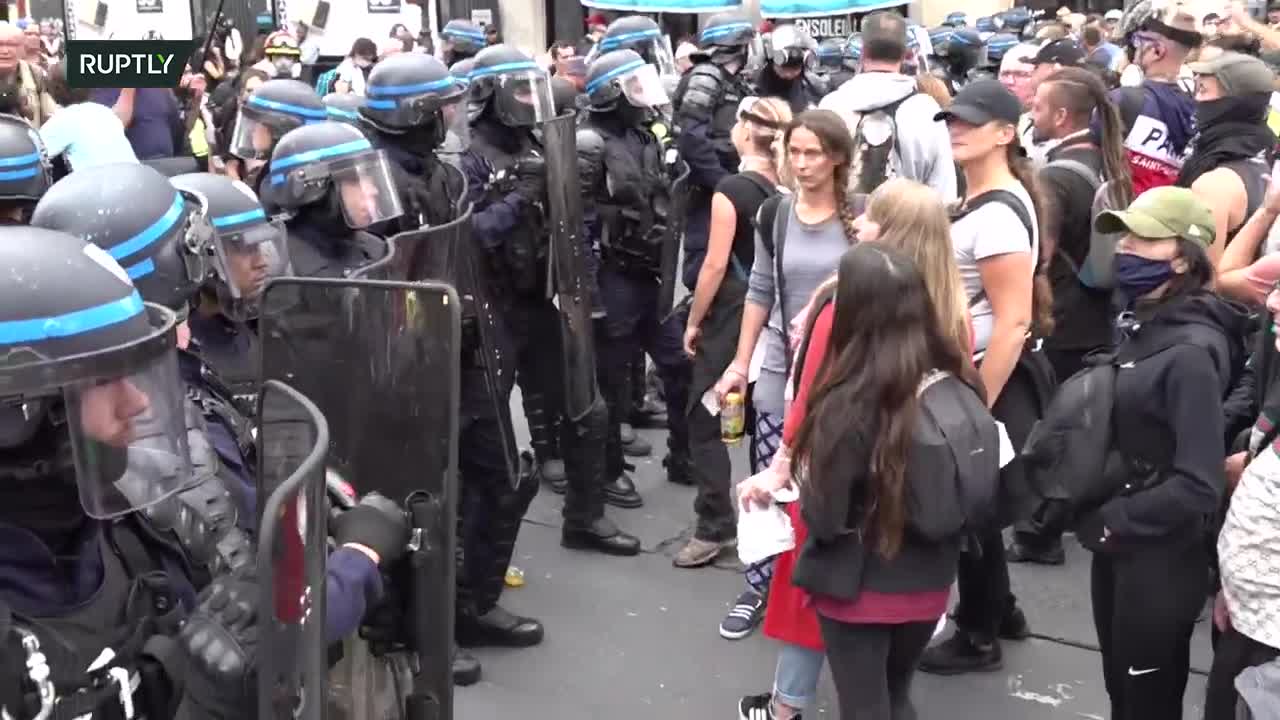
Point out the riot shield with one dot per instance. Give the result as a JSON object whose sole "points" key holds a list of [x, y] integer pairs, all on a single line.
{"points": [[293, 439], [676, 209], [445, 253], [568, 271], [381, 360]]}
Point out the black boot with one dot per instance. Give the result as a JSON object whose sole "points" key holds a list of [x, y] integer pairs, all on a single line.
{"points": [[622, 491], [466, 669], [601, 536], [677, 467], [963, 652], [498, 628]]}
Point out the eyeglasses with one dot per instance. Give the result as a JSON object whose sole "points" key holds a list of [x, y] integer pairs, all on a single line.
{"points": [[1015, 75]]}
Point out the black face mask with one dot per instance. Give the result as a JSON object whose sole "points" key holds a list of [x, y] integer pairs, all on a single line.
{"points": [[1212, 112]]}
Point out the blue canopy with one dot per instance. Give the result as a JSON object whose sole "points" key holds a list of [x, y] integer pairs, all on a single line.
{"points": [[663, 6], [779, 9]]}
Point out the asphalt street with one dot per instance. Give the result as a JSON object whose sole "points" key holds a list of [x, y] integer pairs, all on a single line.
{"points": [[636, 638]]}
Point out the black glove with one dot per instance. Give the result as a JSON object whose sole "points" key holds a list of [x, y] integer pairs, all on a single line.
{"points": [[220, 641], [379, 524]]}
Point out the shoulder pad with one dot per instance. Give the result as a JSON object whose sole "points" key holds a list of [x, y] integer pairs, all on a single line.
{"points": [[590, 140], [702, 93]]}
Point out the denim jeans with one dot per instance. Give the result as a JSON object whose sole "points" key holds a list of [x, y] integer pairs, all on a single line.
{"points": [[795, 682]]}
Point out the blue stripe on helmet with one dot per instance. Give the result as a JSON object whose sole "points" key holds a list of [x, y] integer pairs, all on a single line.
{"points": [[471, 34], [504, 68], [376, 104], [715, 32], [418, 89], [152, 233], [19, 174], [289, 108], [244, 217], [76, 322], [20, 160], [623, 69], [615, 42], [302, 158], [345, 114], [142, 269]]}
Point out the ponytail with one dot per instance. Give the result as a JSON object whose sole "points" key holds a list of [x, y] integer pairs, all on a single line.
{"points": [[1083, 94]]}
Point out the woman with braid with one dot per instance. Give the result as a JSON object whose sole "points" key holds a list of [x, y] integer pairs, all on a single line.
{"points": [[799, 241]]}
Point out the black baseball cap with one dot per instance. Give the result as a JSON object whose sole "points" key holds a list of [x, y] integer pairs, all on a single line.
{"points": [[1060, 52], [982, 101]]}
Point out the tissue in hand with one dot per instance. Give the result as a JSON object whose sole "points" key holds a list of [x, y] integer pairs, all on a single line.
{"points": [[763, 533]]}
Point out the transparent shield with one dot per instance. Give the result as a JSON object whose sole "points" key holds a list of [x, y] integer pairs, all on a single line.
{"points": [[457, 137], [292, 551], [366, 189], [252, 139], [524, 98], [244, 261], [643, 88], [128, 437]]}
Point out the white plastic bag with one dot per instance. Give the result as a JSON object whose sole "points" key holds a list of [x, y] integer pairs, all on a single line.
{"points": [[763, 533]]}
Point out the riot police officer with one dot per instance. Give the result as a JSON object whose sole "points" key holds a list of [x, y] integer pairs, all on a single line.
{"points": [[332, 184], [790, 57], [626, 179], [510, 181], [27, 172], [706, 107], [273, 109], [411, 102], [93, 431], [965, 53], [462, 39]]}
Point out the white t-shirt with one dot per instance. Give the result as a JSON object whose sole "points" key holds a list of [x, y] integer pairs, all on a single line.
{"points": [[1249, 551], [89, 134], [992, 229]]}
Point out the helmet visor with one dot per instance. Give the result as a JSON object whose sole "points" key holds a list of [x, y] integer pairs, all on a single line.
{"points": [[128, 437], [643, 88], [457, 136], [245, 259], [366, 190], [253, 138], [523, 98]]}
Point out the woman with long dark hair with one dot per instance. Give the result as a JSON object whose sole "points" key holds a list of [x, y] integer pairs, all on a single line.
{"points": [[811, 226], [1003, 262], [878, 575]]}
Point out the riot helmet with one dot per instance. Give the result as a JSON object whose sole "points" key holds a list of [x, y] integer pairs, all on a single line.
{"points": [[853, 48], [343, 107], [988, 24], [273, 109], [26, 173], [831, 54], [1015, 20], [620, 80], [728, 37], [957, 19], [82, 354], [412, 91], [965, 51], [512, 86], [789, 46], [336, 164], [249, 247], [460, 40], [162, 237], [998, 45], [641, 34], [940, 39]]}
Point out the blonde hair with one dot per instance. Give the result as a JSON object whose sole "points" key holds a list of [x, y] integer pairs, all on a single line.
{"points": [[766, 141], [934, 88], [913, 219]]}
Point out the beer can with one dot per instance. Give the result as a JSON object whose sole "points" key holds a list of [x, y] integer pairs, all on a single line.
{"points": [[733, 419]]}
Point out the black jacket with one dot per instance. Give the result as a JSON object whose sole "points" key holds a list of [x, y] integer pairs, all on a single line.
{"points": [[1177, 363]]}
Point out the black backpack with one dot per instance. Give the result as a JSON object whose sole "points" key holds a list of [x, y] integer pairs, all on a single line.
{"points": [[875, 158]]}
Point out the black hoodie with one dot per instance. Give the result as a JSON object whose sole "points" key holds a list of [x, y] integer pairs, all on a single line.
{"points": [[1176, 365]]}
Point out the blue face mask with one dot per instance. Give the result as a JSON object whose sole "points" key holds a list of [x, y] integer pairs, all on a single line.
{"points": [[1136, 276]]}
